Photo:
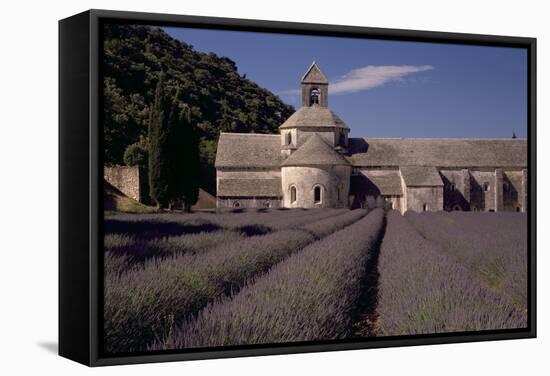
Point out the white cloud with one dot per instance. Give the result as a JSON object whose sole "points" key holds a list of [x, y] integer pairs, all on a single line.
{"points": [[371, 76], [362, 79]]}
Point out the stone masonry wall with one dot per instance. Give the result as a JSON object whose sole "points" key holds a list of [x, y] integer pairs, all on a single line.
{"points": [[304, 179], [248, 202], [417, 197], [126, 179]]}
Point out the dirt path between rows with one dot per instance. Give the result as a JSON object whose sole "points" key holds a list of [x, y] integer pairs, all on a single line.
{"points": [[366, 316]]}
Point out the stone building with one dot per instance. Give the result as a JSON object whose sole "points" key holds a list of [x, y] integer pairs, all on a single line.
{"points": [[313, 163]]}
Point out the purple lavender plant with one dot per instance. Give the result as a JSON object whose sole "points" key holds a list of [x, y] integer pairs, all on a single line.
{"points": [[311, 295], [423, 290]]}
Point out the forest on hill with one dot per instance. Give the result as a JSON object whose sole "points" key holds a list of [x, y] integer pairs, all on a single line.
{"points": [[218, 97]]}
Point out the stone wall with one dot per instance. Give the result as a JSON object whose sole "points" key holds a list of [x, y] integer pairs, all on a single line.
{"points": [[306, 92], [512, 191], [128, 180], [524, 191], [305, 179], [482, 187], [330, 135], [248, 202], [424, 198], [456, 189]]}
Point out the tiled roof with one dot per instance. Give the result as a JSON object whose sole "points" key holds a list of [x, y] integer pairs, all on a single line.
{"points": [[248, 150], [315, 151], [249, 187], [438, 152], [421, 176], [314, 75], [314, 116]]}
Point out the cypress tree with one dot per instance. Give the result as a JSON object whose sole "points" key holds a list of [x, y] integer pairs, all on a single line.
{"points": [[159, 169], [174, 157], [191, 158], [175, 153]]}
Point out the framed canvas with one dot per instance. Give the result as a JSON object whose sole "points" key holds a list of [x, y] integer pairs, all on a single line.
{"points": [[239, 187]]}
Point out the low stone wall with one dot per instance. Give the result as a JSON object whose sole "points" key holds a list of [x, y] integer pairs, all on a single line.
{"points": [[126, 179]]}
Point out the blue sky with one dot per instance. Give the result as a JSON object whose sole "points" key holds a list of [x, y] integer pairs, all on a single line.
{"points": [[388, 88]]}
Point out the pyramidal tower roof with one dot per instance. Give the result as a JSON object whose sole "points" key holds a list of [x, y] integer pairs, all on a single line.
{"points": [[314, 75], [314, 152], [313, 117]]}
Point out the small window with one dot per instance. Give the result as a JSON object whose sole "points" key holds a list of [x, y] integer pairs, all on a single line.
{"points": [[236, 204], [474, 208], [315, 96], [288, 138], [317, 194], [424, 207], [457, 208], [452, 187], [486, 187], [292, 194], [267, 204]]}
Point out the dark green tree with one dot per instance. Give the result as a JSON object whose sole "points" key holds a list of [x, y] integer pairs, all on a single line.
{"points": [[218, 96], [159, 149], [174, 159], [191, 160], [136, 154]]}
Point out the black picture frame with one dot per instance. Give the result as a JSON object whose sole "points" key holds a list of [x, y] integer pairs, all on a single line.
{"points": [[80, 185]]}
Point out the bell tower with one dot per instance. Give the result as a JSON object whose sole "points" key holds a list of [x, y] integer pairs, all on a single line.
{"points": [[314, 88]]}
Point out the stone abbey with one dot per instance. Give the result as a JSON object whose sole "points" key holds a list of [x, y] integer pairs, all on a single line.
{"points": [[313, 163]]}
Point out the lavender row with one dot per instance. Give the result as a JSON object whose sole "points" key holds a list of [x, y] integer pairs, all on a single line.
{"points": [[309, 296], [423, 290], [151, 226], [125, 250], [143, 304], [492, 244]]}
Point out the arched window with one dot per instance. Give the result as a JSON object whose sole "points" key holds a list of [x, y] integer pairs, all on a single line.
{"points": [[236, 204], [424, 207], [292, 194], [267, 204], [486, 187], [314, 96], [288, 138], [317, 194], [452, 187], [457, 207]]}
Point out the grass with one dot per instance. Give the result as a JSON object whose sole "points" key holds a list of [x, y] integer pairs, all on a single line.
{"points": [[115, 200]]}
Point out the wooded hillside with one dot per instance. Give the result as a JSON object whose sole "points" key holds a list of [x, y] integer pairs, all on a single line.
{"points": [[219, 97]]}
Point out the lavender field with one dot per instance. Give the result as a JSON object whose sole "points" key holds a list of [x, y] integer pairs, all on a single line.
{"points": [[174, 280]]}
